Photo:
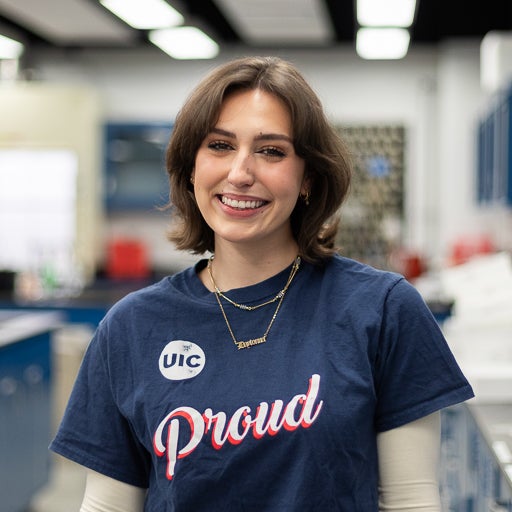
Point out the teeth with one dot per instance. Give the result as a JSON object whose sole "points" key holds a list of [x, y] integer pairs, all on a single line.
{"points": [[242, 205]]}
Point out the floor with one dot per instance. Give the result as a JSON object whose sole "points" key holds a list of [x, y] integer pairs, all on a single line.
{"points": [[64, 491]]}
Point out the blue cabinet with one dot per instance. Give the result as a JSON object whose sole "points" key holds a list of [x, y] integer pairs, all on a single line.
{"points": [[135, 175], [25, 408], [472, 475], [494, 148]]}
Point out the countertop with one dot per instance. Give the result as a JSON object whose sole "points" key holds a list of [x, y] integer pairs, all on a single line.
{"points": [[100, 293], [494, 421], [16, 325]]}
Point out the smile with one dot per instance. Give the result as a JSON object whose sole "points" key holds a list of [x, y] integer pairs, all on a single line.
{"points": [[241, 205]]}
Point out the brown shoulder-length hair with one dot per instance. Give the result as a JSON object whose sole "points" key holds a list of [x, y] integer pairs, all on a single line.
{"points": [[327, 163]]}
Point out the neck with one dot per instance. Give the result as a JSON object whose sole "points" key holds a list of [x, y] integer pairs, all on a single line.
{"points": [[235, 268]]}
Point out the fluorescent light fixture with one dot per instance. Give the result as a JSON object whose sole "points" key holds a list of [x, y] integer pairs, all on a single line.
{"points": [[144, 14], [184, 43], [382, 43], [9, 48], [279, 22], [385, 13]]}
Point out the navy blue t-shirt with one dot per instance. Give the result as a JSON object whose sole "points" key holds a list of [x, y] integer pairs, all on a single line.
{"points": [[165, 400]]}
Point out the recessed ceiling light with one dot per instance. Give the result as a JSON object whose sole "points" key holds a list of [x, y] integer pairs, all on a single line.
{"points": [[382, 43], [184, 43], [9, 48], [386, 13], [144, 14]]}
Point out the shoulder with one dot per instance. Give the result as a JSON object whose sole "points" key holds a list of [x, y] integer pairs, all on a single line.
{"points": [[143, 296], [151, 301], [349, 273], [343, 281]]}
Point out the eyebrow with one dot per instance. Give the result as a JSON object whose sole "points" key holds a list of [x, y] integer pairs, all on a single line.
{"points": [[261, 136]]}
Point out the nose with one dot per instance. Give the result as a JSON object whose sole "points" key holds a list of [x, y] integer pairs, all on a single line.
{"points": [[241, 172]]}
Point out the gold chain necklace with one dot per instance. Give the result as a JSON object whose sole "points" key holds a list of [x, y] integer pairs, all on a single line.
{"points": [[280, 296]]}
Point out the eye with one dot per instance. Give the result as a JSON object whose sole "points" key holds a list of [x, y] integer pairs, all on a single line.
{"points": [[219, 145], [272, 152]]}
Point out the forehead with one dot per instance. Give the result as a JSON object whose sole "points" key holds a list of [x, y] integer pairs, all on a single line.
{"points": [[255, 104]]}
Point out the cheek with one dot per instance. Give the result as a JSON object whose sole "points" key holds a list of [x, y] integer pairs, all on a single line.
{"points": [[203, 174], [286, 188], [198, 163], [201, 160], [290, 182], [207, 167]]}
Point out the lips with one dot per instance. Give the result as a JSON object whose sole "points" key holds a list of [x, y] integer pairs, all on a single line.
{"points": [[242, 204]]}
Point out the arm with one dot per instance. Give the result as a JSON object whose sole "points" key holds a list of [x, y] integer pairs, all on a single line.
{"points": [[104, 494], [408, 466]]}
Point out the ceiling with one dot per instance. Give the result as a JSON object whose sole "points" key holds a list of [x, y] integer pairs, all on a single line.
{"points": [[252, 23]]}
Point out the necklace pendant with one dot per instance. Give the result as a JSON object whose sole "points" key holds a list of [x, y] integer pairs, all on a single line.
{"points": [[251, 343], [279, 297]]}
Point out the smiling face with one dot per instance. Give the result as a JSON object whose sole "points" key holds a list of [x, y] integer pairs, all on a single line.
{"points": [[247, 177]]}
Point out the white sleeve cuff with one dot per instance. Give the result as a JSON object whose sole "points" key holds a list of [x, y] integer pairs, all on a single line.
{"points": [[104, 494], [408, 466]]}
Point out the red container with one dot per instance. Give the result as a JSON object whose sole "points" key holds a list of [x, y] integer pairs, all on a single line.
{"points": [[127, 259]]}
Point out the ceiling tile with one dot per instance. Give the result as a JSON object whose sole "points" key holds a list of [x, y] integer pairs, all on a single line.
{"points": [[67, 22]]}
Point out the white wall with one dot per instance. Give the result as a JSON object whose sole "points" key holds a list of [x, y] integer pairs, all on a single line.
{"points": [[56, 116], [435, 92]]}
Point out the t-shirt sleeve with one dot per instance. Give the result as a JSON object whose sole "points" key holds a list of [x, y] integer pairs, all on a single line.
{"points": [[93, 431], [415, 370]]}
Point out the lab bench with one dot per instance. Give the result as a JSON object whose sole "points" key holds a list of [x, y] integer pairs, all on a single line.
{"points": [[25, 408], [41, 345], [476, 458]]}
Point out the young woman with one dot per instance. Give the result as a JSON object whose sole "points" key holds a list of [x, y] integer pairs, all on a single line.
{"points": [[274, 375]]}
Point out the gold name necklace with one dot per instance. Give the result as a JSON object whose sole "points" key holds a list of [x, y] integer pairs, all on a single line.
{"points": [[279, 297]]}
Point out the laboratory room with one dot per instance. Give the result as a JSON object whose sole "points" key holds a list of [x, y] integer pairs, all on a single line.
{"points": [[399, 109]]}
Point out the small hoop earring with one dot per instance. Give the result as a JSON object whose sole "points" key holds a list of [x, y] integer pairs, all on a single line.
{"points": [[305, 197]]}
